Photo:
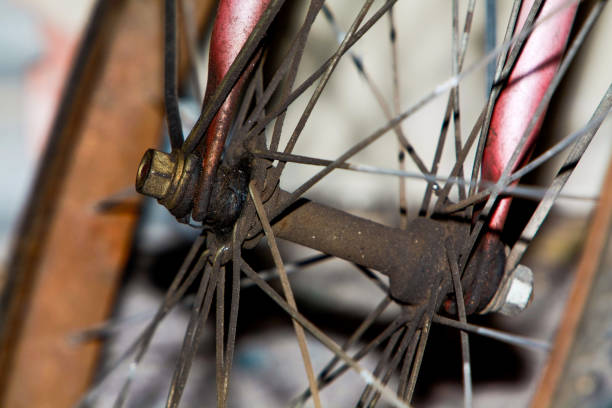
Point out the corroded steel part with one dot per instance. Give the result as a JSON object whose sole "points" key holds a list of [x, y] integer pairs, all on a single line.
{"points": [[414, 259]]}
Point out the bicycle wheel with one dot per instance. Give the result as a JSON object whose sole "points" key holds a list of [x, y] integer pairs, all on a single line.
{"points": [[429, 285]]}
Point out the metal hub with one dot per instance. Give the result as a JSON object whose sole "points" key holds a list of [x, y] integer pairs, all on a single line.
{"points": [[172, 179]]}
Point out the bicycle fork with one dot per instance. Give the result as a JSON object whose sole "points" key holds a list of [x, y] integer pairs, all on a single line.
{"points": [[234, 22], [514, 111]]}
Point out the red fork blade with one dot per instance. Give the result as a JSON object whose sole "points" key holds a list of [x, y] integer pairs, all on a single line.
{"points": [[517, 103], [234, 22]]}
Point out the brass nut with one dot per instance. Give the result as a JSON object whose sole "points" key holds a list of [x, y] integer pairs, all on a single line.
{"points": [[171, 178], [155, 174]]}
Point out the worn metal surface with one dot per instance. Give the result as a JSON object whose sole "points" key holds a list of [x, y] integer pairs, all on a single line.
{"points": [[414, 259], [579, 367], [69, 259]]}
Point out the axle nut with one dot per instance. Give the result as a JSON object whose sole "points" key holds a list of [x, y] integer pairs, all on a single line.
{"points": [[155, 174], [170, 178], [515, 294]]}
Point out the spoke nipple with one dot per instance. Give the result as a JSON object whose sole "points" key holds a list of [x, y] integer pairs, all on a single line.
{"points": [[515, 294]]}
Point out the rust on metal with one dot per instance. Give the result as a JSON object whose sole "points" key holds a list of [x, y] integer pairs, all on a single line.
{"points": [[409, 257], [414, 259], [69, 257]]}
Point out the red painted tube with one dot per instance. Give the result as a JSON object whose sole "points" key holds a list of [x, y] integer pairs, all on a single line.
{"points": [[234, 22], [526, 86], [515, 106]]}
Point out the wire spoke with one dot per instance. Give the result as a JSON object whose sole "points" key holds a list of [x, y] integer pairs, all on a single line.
{"points": [[465, 343], [247, 99], [365, 325], [458, 58], [313, 11], [443, 194], [504, 179], [191, 341], [326, 76], [407, 340], [295, 59], [320, 71], [561, 178], [291, 267], [407, 364], [190, 32], [587, 131], [173, 118], [409, 317], [233, 73], [504, 64], [386, 355], [299, 330], [401, 156], [437, 91], [490, 38], [365, 374], [359, 65], [219, 338], [521, 341], [286, 71], [372, 277], [141, 344], [420, 351], [416, 365], [518, 190], [233, 319]]}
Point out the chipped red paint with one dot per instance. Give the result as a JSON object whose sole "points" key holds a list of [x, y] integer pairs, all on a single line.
{"points": [[234, 22], [518, 101]]}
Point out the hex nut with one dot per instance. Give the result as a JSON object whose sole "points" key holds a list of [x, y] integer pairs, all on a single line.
{"points": [[171, 178], [518, 291], [155, 173]]}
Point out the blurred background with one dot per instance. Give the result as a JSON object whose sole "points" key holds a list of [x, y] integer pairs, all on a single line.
{"points": [[38, 39], [37, 43]]}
